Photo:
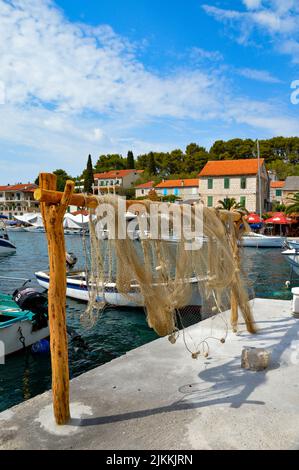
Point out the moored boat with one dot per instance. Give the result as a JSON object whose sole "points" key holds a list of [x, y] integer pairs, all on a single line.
{"points": [[293, 244], [6, 246], [77, 288], [257, 240], [18, 328], [293, 259]]}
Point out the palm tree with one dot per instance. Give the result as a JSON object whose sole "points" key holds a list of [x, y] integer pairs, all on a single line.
{"points": [[230, 204], [294, 206]]}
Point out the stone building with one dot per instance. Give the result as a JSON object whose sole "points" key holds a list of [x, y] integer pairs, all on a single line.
{"points": [[276, 190], [239, 179], [291, 186]]}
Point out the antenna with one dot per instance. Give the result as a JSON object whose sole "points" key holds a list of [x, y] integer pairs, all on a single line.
{"points": [[259, 177]]}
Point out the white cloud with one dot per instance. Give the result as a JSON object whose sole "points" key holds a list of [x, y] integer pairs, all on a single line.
{"points": [[198, 54], [259, 75], [276, 18], [252, 4], [72, 89]]}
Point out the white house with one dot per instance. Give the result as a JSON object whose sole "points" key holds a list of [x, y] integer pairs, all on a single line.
{"points": [[142, 190], [114, 180], [239, 179], [17, 199], [184, 189]]}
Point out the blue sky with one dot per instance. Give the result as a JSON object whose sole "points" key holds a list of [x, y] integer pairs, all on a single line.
{"points": [[90, 76]]}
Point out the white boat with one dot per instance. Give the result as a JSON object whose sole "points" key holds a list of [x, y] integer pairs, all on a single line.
{"points": [[257, 240], [293, 244], [77, 289], [293, 259], [16, 327], [34, 229], [12, 228], [6, 246]]}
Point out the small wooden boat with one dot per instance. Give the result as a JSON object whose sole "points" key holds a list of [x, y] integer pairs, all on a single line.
{"points": [[17, 327], [77, 288]]}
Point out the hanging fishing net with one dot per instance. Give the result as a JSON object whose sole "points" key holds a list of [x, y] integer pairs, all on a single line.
{"points": [[173, 260]]}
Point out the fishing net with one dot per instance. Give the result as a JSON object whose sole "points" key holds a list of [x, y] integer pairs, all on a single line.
{"points": [[170, 259]]}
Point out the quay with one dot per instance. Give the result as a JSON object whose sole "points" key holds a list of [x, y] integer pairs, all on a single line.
{"points": [[158, 397]]}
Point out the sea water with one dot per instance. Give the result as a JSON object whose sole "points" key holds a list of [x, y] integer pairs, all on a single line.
{"points": [[117, 330]]}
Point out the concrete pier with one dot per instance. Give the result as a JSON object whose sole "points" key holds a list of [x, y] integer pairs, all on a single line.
{"points": [[158, 397]]}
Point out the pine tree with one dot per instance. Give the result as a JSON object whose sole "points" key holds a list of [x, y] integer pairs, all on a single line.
{"points": [[151, 164], [88, 176], [130, 160]]}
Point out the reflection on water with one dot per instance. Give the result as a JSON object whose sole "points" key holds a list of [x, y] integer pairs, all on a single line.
{"points": [[117, 330]]}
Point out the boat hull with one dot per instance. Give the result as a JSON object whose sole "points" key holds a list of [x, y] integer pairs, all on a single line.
{"points": [[293, 259], [6, 247], [262, 242], [77, 289], [16, 324], [10, 336]]}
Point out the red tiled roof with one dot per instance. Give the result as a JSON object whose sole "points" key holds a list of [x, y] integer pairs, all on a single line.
{"points": [[182, 183], [29, 187], [277, 184], [231, 167], [149, 184], [115, 174], [81, 212]]}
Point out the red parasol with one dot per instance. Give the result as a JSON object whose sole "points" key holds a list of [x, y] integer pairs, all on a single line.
{"points": [[254, 219], [280, 219]]}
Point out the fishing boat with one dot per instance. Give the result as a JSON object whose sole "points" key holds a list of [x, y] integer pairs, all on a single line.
{"points": [[257, 240], [18, 328], [6, 246], [77, 288]]}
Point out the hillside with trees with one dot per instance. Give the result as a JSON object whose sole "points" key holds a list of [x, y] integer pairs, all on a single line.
{"points": [[281, 155]]}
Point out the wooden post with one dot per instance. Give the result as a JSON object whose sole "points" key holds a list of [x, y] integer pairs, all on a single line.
{"points": [[53, 221]]}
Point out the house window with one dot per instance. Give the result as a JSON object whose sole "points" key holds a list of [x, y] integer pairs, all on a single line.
{"points": [[278, 192], [101, 183], [210, 183], [243, 201], [210, 201], [142, 191], [243, 182], [226, 183], [176, 191], [165, 192]]}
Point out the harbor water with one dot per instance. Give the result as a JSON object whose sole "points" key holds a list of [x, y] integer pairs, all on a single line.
{"points": [[117, 330]]}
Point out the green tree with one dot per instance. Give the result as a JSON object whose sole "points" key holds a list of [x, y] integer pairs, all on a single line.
{"points": [[110, 162], [278, 207], [151, 164], [294, 206], [229, 204], [88, 176], [62, 177], [130, 160]]}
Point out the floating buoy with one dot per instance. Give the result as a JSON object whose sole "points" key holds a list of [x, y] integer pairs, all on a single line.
{"points": [[41, 347]]}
